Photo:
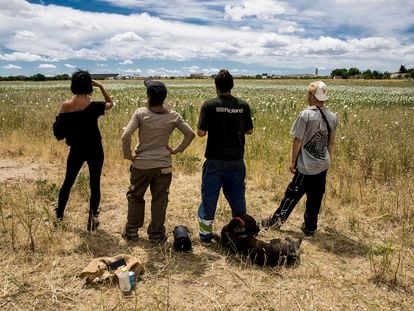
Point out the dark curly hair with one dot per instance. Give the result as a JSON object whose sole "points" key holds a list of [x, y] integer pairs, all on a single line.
{"points": [[81, 83], [224, 81]]}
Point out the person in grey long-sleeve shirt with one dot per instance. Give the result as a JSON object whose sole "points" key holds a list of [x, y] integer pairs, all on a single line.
{"points": [[151, 160]]}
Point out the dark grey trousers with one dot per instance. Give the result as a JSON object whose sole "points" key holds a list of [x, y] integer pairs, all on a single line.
{"points": [[159, 181]]}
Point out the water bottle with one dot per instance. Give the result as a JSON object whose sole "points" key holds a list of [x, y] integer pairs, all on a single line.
{"points": [[131, 275], [123, 279]]}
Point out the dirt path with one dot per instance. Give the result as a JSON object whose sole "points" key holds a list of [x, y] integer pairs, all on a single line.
{"points": [[14, 170]]}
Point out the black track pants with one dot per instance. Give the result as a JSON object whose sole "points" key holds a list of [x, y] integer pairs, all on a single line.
{"points": [[314, 188]]}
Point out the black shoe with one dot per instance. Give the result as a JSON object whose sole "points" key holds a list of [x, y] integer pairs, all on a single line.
{"points": [[306, 231], [128, 237], [58, 218], [158, 240], [270, 223], [93, 222], [58, 222]]}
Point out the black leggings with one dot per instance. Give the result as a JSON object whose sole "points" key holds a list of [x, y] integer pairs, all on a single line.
{"points": [[94, 156]]}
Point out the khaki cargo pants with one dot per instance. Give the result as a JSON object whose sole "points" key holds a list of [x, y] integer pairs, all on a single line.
{"points": [[159, 180]]}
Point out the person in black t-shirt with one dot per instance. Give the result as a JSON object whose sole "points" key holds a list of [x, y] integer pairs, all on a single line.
{"points": [[226, 119], [77, 122]]}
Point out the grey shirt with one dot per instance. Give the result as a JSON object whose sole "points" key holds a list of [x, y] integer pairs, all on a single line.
{"points": [[311, 128], [153, 136]]}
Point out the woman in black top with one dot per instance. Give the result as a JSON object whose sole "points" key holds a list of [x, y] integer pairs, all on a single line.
{"points": [[77, 121]]}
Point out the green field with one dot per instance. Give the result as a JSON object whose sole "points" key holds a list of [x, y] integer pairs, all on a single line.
{"points": [[363, 256]]}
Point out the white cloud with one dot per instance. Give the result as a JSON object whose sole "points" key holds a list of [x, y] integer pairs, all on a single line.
{"points": [[70, 66], [371, 17], [133, 71], [207, 11], [11, 66], [192, 69], [164, 72], [272, 40], [210, 70], [126, 62], [264, 32], [18, 7], [288, 29], [25, 35], [126, 37], [21, 56], [90, 54], [375, 44], [46, 66], [358, 2], [264, 9], [198, 69]]}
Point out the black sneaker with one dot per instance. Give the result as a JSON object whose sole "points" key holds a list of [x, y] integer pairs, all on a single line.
{"points": [[158, 240], [306, 231], [270, 223], [58, 222], [129, 234], [93, 222], [129, 238]]}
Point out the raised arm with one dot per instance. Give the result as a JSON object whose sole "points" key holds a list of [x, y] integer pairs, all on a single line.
{"points": [[108, 100]]}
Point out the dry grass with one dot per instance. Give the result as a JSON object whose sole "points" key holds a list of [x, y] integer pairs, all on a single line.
{"points": [[362, 257]]}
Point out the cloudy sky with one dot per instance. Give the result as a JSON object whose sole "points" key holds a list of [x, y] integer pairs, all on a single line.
{"points": [[178, 37]]}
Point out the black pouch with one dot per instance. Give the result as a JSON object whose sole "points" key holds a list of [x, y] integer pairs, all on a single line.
{"points": [[112, 266], [182, 241]]}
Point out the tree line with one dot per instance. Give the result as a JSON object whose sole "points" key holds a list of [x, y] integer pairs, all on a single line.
{"points": [[353, 73], [343, 73], [36, 77]]}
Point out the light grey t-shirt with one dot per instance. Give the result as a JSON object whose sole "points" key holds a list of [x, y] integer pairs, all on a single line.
{"points": [[154, 130], [311, 128]]}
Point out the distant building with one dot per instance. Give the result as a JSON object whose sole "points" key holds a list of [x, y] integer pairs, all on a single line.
{"points": [[299, 75], [103, 76], [197, 75], [316, 72], [399, 75]]}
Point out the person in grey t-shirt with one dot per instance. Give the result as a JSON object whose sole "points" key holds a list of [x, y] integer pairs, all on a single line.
{"points": [[314, 138], [151, 160]]}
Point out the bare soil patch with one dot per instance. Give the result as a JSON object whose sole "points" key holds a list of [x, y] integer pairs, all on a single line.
{"points": [[15, 170]]}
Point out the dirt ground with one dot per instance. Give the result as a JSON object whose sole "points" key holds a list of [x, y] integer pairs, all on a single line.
{"points": [[13, 170], [334, 273]]}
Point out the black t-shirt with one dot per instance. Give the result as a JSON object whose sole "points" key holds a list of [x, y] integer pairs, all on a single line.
{"points": [[226, 119], [80, 128]]}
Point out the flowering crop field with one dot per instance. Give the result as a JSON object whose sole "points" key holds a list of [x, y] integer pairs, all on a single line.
{"points": [[362, 258]]}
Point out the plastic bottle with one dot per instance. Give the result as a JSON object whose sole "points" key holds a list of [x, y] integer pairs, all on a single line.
{"points": [[132, 279], [123, 279]]}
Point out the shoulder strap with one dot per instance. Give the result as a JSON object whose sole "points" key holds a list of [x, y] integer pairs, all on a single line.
{"points": [[326, 121]]}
